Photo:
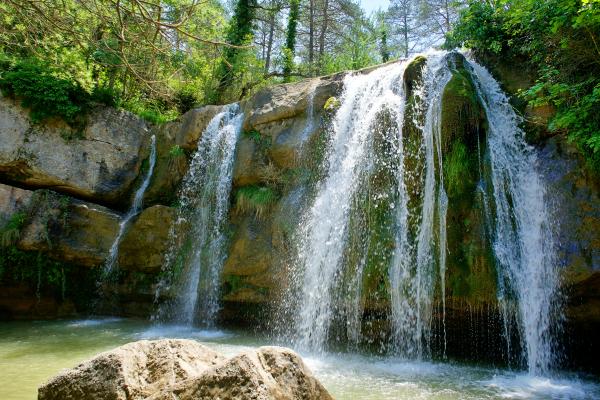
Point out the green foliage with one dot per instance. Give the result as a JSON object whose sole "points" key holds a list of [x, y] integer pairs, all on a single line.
{"points": [[263, 142], [44, 275], [185, 100], [332, 104], [46, 94], [176, 151], [10, 232], [560, 39], [290, 40], [153, 111], [239, 35], [34, 269], [256, 199]]}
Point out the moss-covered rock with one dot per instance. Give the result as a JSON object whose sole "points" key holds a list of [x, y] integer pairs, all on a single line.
{"points": [[470, 271], [412, 142]]}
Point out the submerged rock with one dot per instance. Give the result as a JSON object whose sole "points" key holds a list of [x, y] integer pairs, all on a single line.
{"points": [[185, 369]]}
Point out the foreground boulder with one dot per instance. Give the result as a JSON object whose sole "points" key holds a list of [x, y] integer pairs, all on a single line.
{"points": [[133, 371], [184, 369]]}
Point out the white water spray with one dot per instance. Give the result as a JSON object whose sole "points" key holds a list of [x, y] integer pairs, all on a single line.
{"points": [[324, 227], [412, 269], [523, 240], [197, 251]]}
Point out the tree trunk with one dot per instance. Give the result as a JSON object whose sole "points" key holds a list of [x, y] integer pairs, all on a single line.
{"points": [[272, 15], [311, 36], [323, 34]]}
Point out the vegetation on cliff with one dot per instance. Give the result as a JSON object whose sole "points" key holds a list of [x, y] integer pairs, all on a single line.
{"points": [[560, 40]]}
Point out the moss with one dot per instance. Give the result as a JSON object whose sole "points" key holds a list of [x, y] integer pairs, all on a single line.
{"points": [[176, 151], [463, 117], [460, 170], [256, 199], [412, 141], [413, 74], [470, 269], [332, 104], [48, 277], [10, 232]]}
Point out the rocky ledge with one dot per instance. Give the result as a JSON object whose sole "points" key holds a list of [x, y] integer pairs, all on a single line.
{"points": [[184, 369]]}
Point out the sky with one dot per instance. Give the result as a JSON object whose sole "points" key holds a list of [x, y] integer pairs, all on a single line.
{"points": [[373, 5]]}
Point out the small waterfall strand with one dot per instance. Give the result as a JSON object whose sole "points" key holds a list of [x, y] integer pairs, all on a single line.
{"points": [[197, 249], [524, 243], [135, 208]]}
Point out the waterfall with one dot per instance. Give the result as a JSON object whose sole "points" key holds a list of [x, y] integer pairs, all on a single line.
{"points": [[135, 208], [335, 238], [523, 239], [412, 269], [197, 250], [324, 227]]}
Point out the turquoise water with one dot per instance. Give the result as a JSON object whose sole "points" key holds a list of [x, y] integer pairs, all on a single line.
{"points": [[31, 352]]}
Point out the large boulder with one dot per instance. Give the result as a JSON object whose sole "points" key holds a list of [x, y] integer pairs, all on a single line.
{"points": [[99, 163], [133, 371], [184, 369], [289, 100], [268, 373]]}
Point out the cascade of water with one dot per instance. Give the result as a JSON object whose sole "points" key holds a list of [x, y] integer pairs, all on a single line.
{"points": [[411, 272], [324, 227], [523, 240], [135, 208], [310, 117], [197, 250]]}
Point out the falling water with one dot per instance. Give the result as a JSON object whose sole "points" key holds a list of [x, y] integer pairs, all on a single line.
{"points": [[523, 240], [412, 269], [135, 208], [197, 252], [324, 228]]}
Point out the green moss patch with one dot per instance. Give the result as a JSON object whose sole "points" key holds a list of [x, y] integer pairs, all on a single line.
{"points": [[255, 199]]}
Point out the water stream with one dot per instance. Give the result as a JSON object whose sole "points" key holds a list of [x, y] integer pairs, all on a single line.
{"points": [[324, 228], [136, 207], [197, 249]]}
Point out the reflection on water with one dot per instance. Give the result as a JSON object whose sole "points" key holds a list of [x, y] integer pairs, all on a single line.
{"points": [[31, 352]]}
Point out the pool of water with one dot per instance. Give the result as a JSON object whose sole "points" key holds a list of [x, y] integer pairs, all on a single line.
{"points": [[31, 352]]}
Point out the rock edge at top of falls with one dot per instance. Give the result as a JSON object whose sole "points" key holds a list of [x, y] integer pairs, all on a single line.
{"points": [[185, 369]]}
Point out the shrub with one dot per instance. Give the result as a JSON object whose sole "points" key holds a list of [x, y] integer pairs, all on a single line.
{"points": [[45, 94], [257, 199]]}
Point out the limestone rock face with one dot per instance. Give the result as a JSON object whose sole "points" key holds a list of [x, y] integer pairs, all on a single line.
{"points": [[71, 231], [133, 371], [98, 164], [82, 233], [176, 142], [186, 370], [269, 373], [145, 243], [286, 101], [12, 200]]}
